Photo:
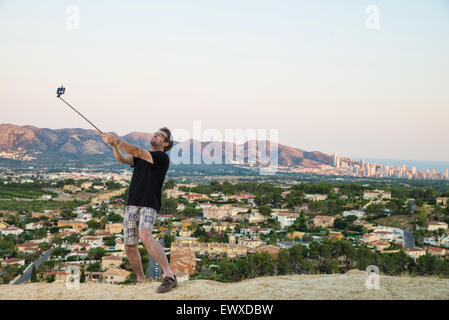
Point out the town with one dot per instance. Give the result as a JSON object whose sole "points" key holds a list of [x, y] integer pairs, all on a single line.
{"points": [[363, 169], [227, 230]]}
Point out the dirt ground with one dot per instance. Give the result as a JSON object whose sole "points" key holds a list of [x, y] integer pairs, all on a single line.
{"points": [[293, 287], [398, 221]]}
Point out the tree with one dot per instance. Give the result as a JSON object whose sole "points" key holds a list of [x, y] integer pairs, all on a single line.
{"points": [[67, 214], [103, 222], [191, 212], [329, 266], [57, 240], [168, 205], [265, 211], [71, 239], [111, 185], [44, 245], [95, 267], [43, 267], [60, 252], [169, 184], [96, 253], [24, 237], [34, 274], [109, 241], [307, 237], [93, 224], [54, 230], [116, 218], [82, 277], [168, 239], [422, 218], [340, 224]]}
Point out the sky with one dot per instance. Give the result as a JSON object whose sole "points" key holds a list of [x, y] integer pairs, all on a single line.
{"points": [[316, 71]]}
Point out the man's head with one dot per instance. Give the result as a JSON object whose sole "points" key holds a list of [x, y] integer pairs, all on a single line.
{"points": [[162, 139]]}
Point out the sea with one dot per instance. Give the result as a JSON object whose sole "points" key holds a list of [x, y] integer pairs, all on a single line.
{"points": [[421, 165]]}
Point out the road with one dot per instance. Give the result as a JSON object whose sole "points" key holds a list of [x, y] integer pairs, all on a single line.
{"points": [[61, 195], [409, 241], [26, 276]]}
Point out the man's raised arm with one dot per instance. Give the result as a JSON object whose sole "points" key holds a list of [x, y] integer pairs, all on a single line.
{"points": [[132, 151]]}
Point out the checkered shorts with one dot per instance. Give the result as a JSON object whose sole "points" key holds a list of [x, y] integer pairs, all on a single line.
{"points": [[144, 217]]}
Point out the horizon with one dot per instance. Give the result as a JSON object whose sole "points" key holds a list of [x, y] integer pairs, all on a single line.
{"points": [[314, 71], [440, 166]]}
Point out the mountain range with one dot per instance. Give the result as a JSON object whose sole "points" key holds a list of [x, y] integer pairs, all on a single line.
{"points": [[30, 139]]}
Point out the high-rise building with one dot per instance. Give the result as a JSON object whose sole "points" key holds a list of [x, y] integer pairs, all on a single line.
{"points": [[447, 174]]}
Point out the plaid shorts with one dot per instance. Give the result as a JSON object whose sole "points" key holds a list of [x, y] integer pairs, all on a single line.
{"points": [[145, 217]]}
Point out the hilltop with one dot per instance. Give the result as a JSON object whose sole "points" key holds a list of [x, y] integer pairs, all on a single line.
{"points": [[349, 286]]}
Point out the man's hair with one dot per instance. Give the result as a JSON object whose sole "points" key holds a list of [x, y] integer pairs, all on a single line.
{"points": [[169, 138]]}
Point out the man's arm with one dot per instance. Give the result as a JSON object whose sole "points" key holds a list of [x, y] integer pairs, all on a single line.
{"points": [[122, 158], [135, 151], [128, 148]]}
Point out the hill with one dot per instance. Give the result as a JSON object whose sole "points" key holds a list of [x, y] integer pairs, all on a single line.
{"points": [[349, 286], [30, 139]]}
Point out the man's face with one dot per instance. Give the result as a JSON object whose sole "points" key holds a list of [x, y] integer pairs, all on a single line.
{"points": [[159, 139]]}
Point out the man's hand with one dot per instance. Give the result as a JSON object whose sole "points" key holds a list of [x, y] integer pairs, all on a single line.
{"points": [[110, 139]]}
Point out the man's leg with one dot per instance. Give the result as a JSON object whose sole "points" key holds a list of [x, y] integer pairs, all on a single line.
{"points": [[132, 251], [155, 250], [132, 240]]}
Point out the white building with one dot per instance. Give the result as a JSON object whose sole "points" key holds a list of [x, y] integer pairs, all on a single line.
{"points": [[415, 253], [34, 226], [251, 243], [444, 242], [92, 240], [433, 226], [389, 235], [316, 197], [389, 229], [204, 205], [11, 230], [376, 194], [81, 254], [357, 213], [432, 241], [286, 219]]}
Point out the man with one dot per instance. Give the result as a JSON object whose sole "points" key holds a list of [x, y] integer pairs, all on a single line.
{"points": [[144, 200]]}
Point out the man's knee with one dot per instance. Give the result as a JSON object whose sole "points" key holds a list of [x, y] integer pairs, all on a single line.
{"points": [[145, 234], [130, 248]]}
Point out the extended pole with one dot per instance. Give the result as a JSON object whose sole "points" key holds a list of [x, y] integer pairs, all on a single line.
{"points": [[61, 91]]}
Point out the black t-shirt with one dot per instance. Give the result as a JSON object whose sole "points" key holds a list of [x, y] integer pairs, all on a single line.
{"points": [[145, 189]]}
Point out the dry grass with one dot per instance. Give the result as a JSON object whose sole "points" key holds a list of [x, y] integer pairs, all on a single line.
{"points": [[293, 287]]}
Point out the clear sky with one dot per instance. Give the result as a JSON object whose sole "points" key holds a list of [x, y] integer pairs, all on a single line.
{"points": [[311, 69]]}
